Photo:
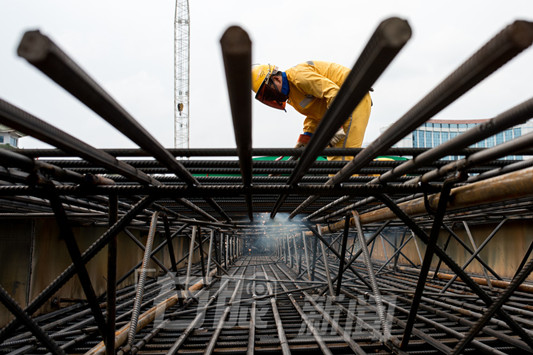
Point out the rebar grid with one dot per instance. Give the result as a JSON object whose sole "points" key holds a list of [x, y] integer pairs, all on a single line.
{"points": [[255, 284]]}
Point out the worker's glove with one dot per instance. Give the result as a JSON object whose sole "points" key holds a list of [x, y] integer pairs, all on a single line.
{"points": [[340, 135], [303, 139]]}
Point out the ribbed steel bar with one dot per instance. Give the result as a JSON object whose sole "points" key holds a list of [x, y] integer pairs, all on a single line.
{"points": [[343, 255], [251, 335], [476, 252], [237, 56], [88, 254], [306, 253], [232, 152], [387, 40], [428, 257], [474, 245], [179, 342], [316, 334], [67, 235], [218, 328], [285, 349], [397, 252], [496, 306], [457, 269], [170, 246], [191, 251], [24, 122], [13, 159], [156, 249], [45, 55], [111, 310], [371, 275], [317, 233], [470, 251], [23, 317], [210, 253], [170, 191], [516, 115], [143, 248], [499, 151], [142, 278], [512, 40], [201, 249], [326, 266], [358, 253]]}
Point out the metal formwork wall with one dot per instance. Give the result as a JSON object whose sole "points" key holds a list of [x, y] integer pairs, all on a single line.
{"points": [[362, 256]]}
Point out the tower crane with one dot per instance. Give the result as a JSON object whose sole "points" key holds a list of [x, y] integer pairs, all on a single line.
{"points": [[181, 74]]}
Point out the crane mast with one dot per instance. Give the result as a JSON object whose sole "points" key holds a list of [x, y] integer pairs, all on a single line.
{"points": [[181, 74]]}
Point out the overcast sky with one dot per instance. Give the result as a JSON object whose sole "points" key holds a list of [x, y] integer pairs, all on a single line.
{"points": [[128, 48]]}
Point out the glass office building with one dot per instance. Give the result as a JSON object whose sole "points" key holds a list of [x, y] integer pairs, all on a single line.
{"points": [[435, 132]]}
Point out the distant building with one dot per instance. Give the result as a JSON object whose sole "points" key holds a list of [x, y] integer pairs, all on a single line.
{"points": [[435, 132], [9, 136]]}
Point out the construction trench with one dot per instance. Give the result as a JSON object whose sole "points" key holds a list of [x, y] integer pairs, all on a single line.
{"points": [[165, 251]]}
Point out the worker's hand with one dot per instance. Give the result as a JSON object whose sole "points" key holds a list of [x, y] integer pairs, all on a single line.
{"points": [[340, 135], [303, 139]]}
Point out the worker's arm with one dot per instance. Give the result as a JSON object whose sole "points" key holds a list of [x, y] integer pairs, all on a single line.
{"points": [[312, 83]]}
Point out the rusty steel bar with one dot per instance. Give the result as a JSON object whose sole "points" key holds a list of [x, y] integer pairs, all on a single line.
{"points": [[386, 42], [45, 55], [512, 40], [500, 188], [516, 115], [237, 56]]}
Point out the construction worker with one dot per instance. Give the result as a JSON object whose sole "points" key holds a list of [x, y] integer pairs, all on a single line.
{"points": [[310, 88]]}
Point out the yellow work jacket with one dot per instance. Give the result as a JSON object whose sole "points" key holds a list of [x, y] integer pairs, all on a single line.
{"points": [[312, 87]]}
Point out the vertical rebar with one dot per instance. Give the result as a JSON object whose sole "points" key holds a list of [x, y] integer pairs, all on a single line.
{"points": [[142, 278], [112, 278]]}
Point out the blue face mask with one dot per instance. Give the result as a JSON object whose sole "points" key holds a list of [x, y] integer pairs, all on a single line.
{"points": [[284, 84]]}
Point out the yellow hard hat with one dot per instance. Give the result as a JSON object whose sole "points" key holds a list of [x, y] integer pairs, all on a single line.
{"points": [[260, 72], [261, 75]]}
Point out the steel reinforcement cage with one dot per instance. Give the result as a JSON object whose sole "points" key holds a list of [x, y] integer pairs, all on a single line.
{"points": [[322, 218]]}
